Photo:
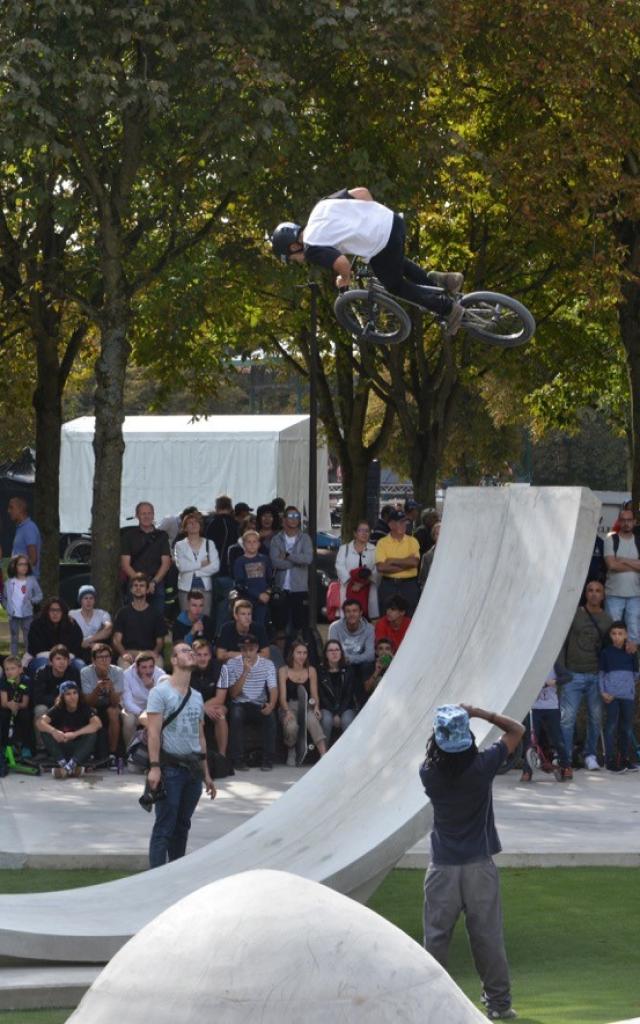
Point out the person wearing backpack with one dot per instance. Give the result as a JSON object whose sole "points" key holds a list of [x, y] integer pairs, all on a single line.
{"points": [[577, 671], [622, 558]]}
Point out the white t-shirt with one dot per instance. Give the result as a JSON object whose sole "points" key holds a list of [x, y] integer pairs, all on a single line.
{"points": [[355, 227], [289, 544], [98, 620], [622, 584]]}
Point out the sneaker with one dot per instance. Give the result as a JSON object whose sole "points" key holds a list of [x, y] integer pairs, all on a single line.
{"points": [[631, 767], [60, 770], [27, 753], [267, 766], [617, 769], [526, 777], [448, 280], [509, 1014], [566, 774], [291, 757], [241, 766], [112, 763], [591, 763], [454, 320]]}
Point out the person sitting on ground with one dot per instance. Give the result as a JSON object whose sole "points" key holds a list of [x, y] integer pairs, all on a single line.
{"points": [[253, 576], [427, 559], [397, 561], [294, 678], [14, 707], [69, 731], [52, 626], [253, 689], [356, 570], [351, 223], [46, 685], [192, 624], [462, 876], [545, 715], [394, 623], [206, 679], [137, 682], [145, 550], [21, 592], [357, 638], [233, 633], [137, 626], [617, 681], [577, 669], [384, 657], [102, 687], [335, 688], [197, 561], [95, 623]]}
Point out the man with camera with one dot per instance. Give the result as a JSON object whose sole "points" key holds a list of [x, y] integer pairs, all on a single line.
{"points": [[177, 757], [103, 685]]}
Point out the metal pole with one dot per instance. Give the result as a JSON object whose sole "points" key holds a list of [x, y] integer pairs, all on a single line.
{"points": [[312, 509]]}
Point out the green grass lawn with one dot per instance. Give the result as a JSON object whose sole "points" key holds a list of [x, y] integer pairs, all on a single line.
{"points": [[571, 938]]}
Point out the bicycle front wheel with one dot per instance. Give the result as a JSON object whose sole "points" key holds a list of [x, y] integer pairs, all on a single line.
{"points": [[497, 319], [372, 316]]}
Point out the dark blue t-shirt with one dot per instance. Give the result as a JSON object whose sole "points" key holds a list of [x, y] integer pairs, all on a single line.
{"points": [[463, 826]]}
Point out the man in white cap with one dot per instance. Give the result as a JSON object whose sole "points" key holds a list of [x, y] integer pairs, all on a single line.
{"points": [[462, 877]]}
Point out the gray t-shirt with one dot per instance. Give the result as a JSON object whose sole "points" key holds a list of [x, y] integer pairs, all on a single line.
{"points": [[622, 584], [182, 736]]}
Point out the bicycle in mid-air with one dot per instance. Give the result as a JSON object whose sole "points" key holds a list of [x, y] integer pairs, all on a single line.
{"points": [[370, 313]]}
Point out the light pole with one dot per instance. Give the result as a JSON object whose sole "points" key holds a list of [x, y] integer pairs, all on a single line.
{"points": [[312, 511]]}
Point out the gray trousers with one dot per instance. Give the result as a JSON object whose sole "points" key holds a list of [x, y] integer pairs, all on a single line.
{"points": [[472, 889]]}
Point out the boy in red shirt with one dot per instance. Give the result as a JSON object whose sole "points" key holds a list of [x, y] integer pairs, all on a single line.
{"points": [[394, 623]]}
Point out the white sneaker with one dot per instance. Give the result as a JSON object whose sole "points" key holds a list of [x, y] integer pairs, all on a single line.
{"points": [[591, 763], [291, 757]]}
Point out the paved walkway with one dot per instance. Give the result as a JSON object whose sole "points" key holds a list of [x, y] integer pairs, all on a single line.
{"points": [[96, 821]]}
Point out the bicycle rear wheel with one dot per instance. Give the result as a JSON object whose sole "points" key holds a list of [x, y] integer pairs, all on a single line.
{"points": [[497, 319], [372, 315]]}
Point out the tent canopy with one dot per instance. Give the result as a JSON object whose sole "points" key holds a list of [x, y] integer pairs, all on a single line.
{"points": [[175, 461]]}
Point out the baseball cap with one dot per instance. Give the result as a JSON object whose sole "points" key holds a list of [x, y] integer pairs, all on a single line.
{"points": [[397, 516], [67, 685], [86, 588], [451, 729], [410, 504], [242, 507], [248, 641]]}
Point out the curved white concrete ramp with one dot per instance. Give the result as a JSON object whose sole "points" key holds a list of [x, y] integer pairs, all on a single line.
{"points": [[272, 947], [501, 594]]}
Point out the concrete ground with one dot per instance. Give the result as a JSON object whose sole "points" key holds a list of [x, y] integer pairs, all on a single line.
{"points": [[96, 821]]}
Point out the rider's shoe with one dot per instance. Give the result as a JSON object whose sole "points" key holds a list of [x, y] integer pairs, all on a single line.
{"points": [[454, 320], [448, 280]]}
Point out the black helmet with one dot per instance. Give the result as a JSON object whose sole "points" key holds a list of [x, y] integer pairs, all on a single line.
{"points": [[284, 235]]}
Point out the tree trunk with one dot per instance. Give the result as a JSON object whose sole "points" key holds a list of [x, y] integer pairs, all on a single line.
{"points": [[424, 461], [108, 447], [628, 233], [354, 492], [47, 402]]}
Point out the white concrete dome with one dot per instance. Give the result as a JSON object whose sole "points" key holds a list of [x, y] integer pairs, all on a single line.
{"points": [[276, 948]]}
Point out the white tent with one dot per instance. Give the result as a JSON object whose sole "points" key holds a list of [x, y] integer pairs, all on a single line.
{"points": [[173, 461]]}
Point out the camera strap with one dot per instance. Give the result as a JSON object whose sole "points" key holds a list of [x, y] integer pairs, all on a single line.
{"points": [[174, 714]]}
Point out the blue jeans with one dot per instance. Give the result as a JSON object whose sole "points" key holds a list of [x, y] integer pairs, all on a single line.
{"points": [[627, 609], [619, 712], [173, 815], [581, 686]]}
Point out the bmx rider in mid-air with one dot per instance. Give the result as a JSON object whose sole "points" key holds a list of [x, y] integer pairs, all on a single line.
{"points": [[362, 227]]}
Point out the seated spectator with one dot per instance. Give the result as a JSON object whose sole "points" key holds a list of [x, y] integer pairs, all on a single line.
{"points": [[102, 686], [617, 682], [137, 681], [21, 592], [295, 679], [95, 624], [357, 638], [205, 678], [356, 569], [335, 686], [545, 716], [384, 657], [196, 560], [253, 689], [193, 624], [138, 627], [397, 561], [47, 682], [266, 526], [427, 559], [15, 715], [145, 550], [233, 633], [253, 575], [394, 623], [50, 628], [69, 731]]}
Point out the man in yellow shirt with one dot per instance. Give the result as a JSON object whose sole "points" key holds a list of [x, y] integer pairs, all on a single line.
{"points": [[397, 561]]}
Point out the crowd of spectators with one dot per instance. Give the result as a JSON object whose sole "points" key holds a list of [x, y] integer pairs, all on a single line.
{"points": [[75, 692]]}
